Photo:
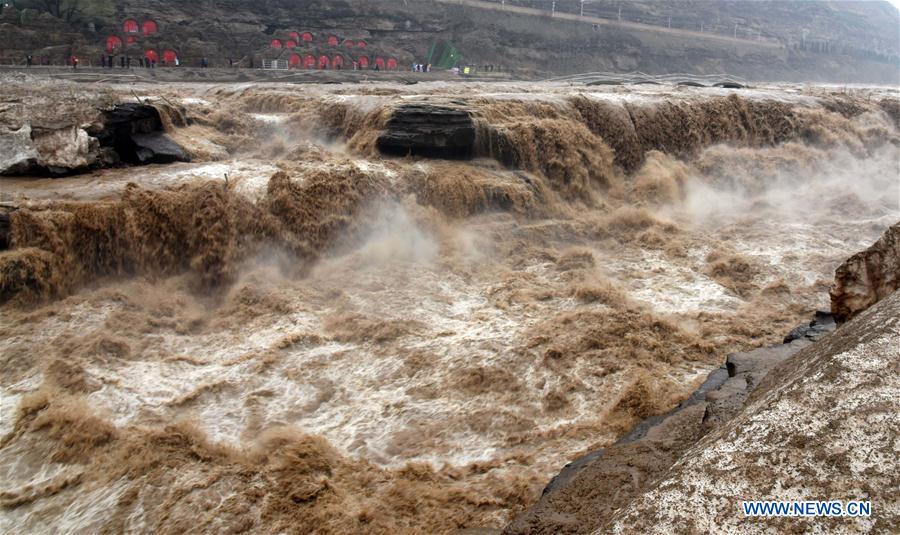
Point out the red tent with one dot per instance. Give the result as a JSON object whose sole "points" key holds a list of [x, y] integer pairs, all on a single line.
{"points": [[309, 61], [276, 43], [379, 62], [291, 44], [337, 62], [294, 61], [323, 62], [349, 43], [333, 40], [152, 55], [169, 57], [306, 36], [392, 64], [130, 26], [113, 43], [362, 44], [150, 27], [363, 62], [295, 36], [131, 40]]}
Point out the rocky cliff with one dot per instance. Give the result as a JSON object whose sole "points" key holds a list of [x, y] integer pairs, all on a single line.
{"points": [[867, 277], [240, 31], [809, 419], [822, 425]]}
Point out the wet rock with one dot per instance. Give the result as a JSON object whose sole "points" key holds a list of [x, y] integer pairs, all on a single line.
{"points": [[158, 148], [430, 130], [822, 324], [130, 134], [588, 491], [5, 229], [135, 133], [65, 150], [820, 422], [759, 361], [867, 277], [17, 151]]}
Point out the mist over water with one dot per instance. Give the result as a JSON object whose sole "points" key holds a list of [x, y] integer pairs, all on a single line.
{"points": [[340, 342]]}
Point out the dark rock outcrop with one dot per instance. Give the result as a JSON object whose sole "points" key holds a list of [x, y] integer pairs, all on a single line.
{"points": [[740, 407], [131, 134], [822, 323], [157, 148], [587, 493], [867, 277], [821, 425], [430, 130], [5, 227], [135, 133]]}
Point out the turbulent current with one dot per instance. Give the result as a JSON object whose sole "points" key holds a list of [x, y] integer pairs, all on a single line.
{"points": [[294, 333]]}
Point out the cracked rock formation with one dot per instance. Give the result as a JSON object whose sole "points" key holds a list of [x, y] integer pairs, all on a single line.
{"points": [[821, 425], [425, 129], [868, 276]]}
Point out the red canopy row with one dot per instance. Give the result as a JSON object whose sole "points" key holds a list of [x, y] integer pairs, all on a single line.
{"points": [[168, 56], [307, 37], [148, 28], [114, 43], [310, 61]]}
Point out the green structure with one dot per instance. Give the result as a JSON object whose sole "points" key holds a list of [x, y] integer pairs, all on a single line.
{"points": [[444, 55]]}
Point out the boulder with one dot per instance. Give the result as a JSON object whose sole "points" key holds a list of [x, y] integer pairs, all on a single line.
{"points": [[135, 133], [65, 150], [17, 151], [867, 277], [130, 133], [822, 323], [158, 148], [430, 130]]}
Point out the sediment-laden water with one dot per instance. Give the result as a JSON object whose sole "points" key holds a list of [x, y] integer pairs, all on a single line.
{"points": [[294, 334]]}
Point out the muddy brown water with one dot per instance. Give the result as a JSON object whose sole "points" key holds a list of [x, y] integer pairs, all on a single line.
{"points": [[332, 341]]}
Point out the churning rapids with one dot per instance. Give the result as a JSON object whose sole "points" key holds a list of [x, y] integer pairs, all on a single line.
{"points": [[294, 333]]}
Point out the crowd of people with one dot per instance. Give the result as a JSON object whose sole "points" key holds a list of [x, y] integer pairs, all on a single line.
{"points": [[43, 60], [109, 61], [127, 62]]}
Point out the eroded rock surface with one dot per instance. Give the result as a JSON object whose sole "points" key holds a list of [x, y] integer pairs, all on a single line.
{"points": [[65, 150], [135, 133], [590, 491], [867, 277], [17, 152], [822, 425], [432, 130], [129, 133], [799, 421]]}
